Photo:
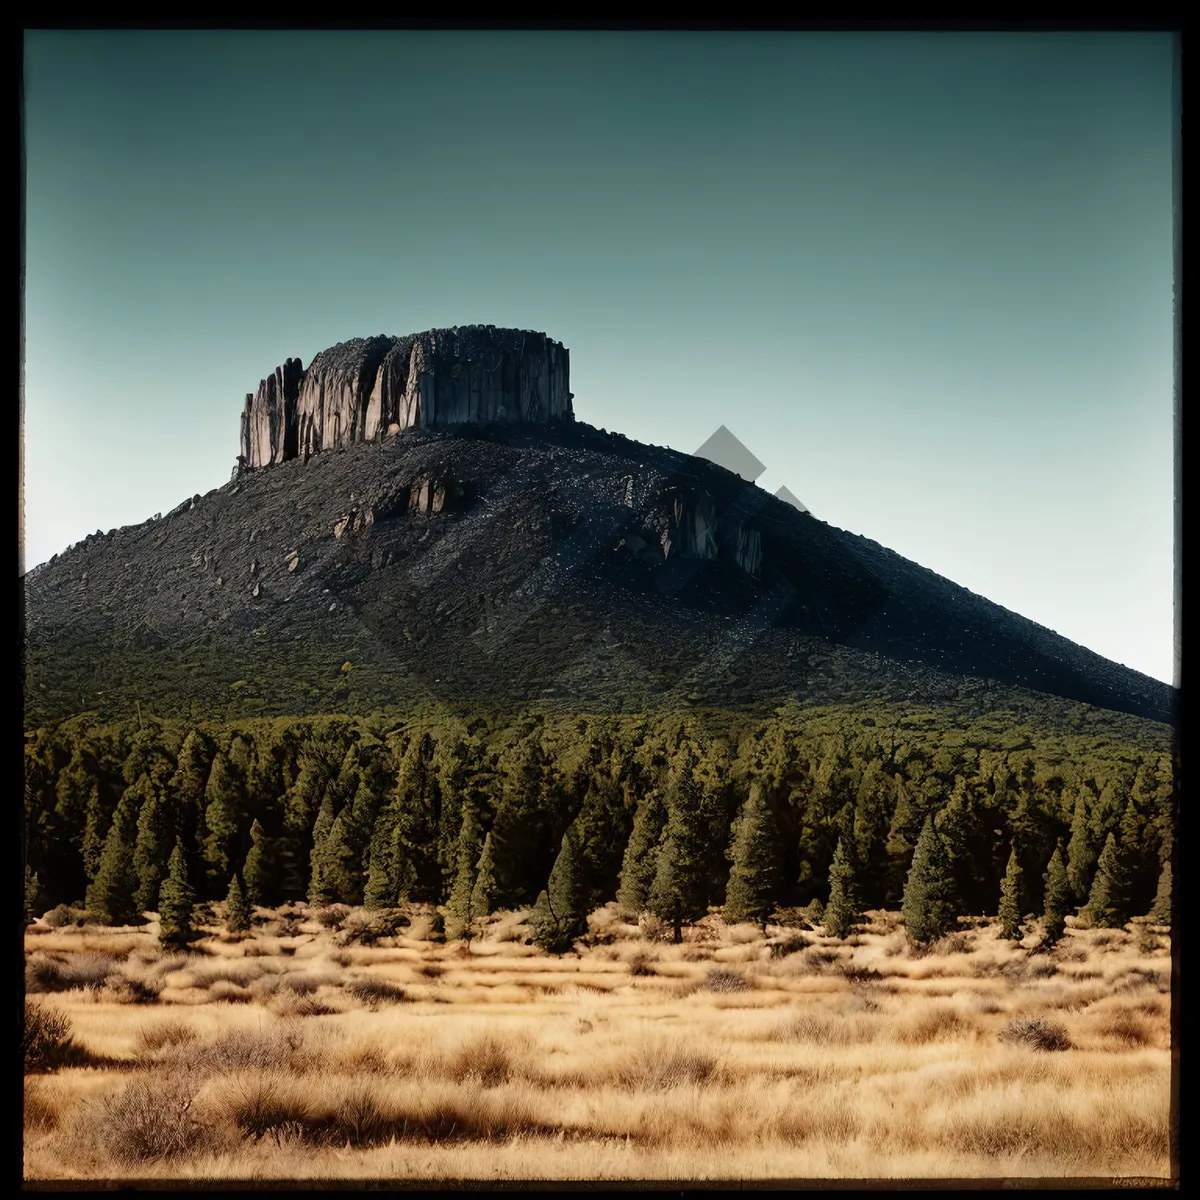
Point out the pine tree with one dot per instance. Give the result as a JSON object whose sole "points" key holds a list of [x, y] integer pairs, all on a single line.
{"points": [[1107, 905], [678, 891], [258, 874], [318, 889], [640, 863], [840, 912], [96, 823], [345, 848], [156, 833], [460, 916], [239, 912], [32, 891], [1160, 913], [111, 894], [380, 890], [1010, 900], [1081, 857], [749, 895], [176, 899], [1057, 897], [558, 916], [223, 814], [928, 906], [484, 893], [191, 775]]}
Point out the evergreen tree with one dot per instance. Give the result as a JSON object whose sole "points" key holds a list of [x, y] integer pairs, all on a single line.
{"points": [[111, 894], [559, 917], [380, 891], [258, 874], [156, 833], [346, 846], [224, 811], [1057, 897], [460, 916], [484, 893], [841, 910], [191, 775], [1108, 901], [318, 888], [32, 891], [928, 907], [677, 892], [1160, 913], [176, 900], [640, 863], [96, 823], [1081, 857], [750, 893], [239, 912], [301, 806], [1010, 899]]}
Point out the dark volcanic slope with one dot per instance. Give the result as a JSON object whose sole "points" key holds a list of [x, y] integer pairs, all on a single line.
{"points": [[515, 564]]}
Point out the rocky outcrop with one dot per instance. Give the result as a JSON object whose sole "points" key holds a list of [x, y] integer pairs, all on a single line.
{"points": [[369, 388]]}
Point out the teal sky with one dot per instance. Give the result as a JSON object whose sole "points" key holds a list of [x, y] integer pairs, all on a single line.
{"points": [[925, 278]]}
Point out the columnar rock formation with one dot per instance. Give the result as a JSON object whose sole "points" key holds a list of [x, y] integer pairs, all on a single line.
{"points": [[368, 387]]}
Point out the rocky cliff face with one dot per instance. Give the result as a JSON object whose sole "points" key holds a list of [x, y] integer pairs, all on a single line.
{"points": [[371, 387]]}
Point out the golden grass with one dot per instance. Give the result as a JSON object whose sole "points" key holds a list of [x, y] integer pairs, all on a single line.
{"points": [[736, 1054]]}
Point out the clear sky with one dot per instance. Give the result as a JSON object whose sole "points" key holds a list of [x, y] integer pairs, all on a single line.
{"points": [[925, 278]]}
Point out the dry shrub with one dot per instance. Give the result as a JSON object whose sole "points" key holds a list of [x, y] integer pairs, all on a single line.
{"points": [[819, 1030], [261, 1104], [856, 972], [1020, 970], [952, 943], [431, 970], [47, 1042], [288, 926], [817, 960], [244, 1050], [368, 927], [163, 1035], [933, 1025], [44, 973], [1070, 951], [149, 1120], [658, 1066], [226, 992], [332, 916], [130, 989], [1038, 1033], [1128, 1028], [39, 1112], [373, 991], [724, 982], [340, 958], [790, 943], [289, 1005], [1139, 977], [486, 1060], [655, 929], [642, 964]]}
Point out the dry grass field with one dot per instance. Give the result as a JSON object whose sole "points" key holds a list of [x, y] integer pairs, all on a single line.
{"points": [[298, 1052]]}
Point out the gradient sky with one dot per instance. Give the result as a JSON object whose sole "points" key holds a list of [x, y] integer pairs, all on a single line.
{"points": [[925, 278]]}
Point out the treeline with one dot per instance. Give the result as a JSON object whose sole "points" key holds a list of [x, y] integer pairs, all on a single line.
{"points": [[666, 814]]}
